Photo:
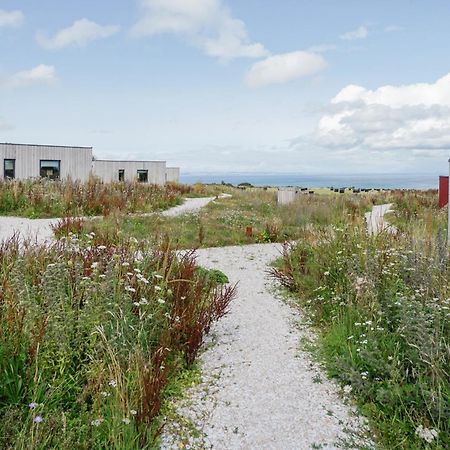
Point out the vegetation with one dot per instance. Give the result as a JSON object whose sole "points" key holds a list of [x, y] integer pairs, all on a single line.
{"points": [[381, 306], [94, 337], [47, 198], [250, 216]]}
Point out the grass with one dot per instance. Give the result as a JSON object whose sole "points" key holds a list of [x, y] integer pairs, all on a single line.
{"points": [[47, 198], [381, 306], [250, 216], [95, 338]]}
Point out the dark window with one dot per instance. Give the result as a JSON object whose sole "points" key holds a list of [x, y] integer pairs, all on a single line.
{"points": [[121, 175], [9, 168], [50, 169], [142, 176]]}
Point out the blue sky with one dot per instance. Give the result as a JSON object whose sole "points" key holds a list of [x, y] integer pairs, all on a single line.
{"points": [[227, 85]]}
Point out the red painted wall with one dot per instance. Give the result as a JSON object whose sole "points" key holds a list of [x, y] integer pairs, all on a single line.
{"points": [[443, 191]]}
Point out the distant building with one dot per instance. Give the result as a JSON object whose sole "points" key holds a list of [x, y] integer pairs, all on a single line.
{"points": [[23, 161]]}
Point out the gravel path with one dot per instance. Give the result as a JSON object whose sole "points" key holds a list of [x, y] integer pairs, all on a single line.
{"points": [[40, 230], [258, 389], [376, 223]]}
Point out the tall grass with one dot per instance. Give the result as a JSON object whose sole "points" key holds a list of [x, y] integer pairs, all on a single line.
{"points": [[91, 335], [47, 198], [381, 306]]}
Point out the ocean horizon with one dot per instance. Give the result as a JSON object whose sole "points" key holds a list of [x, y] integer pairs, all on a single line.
{"points": [[375, 181]]}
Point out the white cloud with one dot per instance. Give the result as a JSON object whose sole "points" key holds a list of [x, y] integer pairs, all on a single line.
{"points": [[79, 34], [360, 33], [11, 19], [41, 74], [207, 24], [283, 68], [410, 117]]}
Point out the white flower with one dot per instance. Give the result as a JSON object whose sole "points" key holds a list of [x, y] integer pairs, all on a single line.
{"points": [[94, 265], [113, 383], [105, 394], [130, 289], [347, 389], [133, 412], [157, 275], [125, 264], [426, 433], [158, 288], [161, 301], [143, 301], [101, 247], [96, 422], [326, 273], [136, 304], [126, 420]]}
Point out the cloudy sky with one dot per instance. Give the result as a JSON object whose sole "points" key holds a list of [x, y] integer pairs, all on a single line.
{"points": [[304, 86]]}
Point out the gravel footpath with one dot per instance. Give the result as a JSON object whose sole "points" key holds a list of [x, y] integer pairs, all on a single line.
{"points": [[258, 389], [40, 230], [376, 223]]}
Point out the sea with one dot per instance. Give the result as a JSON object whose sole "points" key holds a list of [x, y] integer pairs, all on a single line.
{"points": [[374, 181]]}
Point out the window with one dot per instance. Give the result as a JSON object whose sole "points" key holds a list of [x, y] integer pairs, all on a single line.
{"points": [[121, 175], [50, 169], [9, 169], [142, 176]]}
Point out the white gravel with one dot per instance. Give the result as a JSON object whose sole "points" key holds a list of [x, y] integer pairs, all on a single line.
{"points": [[190, 206], [38, 230], [258, 389], [376, 223]]}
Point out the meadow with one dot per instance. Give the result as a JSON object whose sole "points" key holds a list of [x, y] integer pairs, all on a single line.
{"points": [[103, 328], [48, 198], [94, 338], [381, 309]]}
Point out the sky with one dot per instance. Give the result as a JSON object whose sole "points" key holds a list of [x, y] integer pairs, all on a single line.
{"points": [[263, 86]]}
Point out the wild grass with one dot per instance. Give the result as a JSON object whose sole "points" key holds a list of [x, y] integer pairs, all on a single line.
{"points": [[47, 198], [93, 336], [250, 216], [381, 305]]}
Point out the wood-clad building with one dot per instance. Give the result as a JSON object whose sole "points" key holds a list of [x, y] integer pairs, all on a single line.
{"points": [[23, 161], [153, 172]]}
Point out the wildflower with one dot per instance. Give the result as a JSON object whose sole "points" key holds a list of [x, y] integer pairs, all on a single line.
{"points": [[158, 276], [161, 301], [125, 264], [133, 412], [326, 273], [38, 419], [32, 405], [347, 389], [136, 304], [426, 433], [97, 422], [101, 247], [143, 301], [130, 289], [350, 337], [105, 394], [94, 265], [125, 420], [158, 288], [113, 383]]}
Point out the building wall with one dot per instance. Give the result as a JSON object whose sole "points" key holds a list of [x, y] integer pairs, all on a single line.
{"points": [[172, 174], [109, 170], [76, 162]]}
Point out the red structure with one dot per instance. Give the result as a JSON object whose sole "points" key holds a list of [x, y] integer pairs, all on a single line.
{"points": [[443, 191]]}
